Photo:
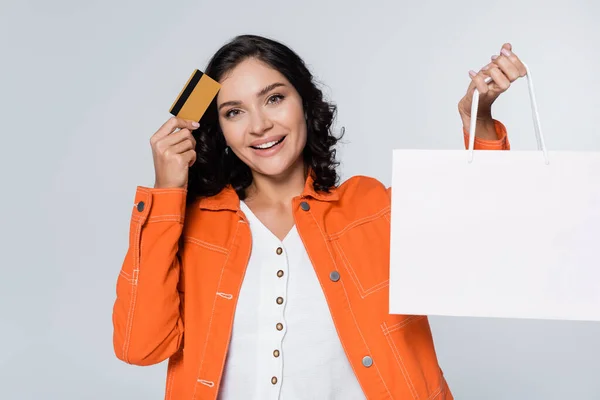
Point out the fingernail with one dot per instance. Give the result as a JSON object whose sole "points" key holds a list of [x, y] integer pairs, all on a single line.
{"points": [[494, 57], [195, 124], [506, 52], [473, 74]]}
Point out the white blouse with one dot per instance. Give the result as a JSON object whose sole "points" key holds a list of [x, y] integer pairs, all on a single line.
{"points": [[284, 344]]}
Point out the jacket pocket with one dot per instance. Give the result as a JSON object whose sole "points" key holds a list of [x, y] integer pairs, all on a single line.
{"points": [[363, 251]]}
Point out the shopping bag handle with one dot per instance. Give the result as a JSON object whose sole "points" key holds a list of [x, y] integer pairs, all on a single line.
{"points": [[536, 118]]}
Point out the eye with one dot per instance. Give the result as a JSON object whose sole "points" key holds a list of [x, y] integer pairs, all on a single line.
{"points": [[232, 113], [276, 98]]}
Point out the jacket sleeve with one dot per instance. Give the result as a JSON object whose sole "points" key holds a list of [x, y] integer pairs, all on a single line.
{"points": [[147, 323], [501, 143]]}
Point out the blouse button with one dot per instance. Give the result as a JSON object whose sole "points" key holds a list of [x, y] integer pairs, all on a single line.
{"points": [[274, 380], [279, 326], [279, 251], [276, 353], [280, 300], [280, 273]]}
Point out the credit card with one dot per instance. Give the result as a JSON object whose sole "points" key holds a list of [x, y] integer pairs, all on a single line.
{"points": [[195, 97]]}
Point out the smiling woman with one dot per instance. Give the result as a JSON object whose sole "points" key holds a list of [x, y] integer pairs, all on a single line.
{"points": [[267, 95], [255, 126], [251, 269]]}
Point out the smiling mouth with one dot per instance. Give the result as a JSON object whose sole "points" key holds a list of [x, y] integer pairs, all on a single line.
{"points": [[268, 145]]}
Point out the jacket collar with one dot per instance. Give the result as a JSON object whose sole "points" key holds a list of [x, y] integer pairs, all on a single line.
{"points": [[227, 199]]}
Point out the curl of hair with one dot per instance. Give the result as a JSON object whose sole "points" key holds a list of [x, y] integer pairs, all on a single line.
{"points": [[215, 169]]}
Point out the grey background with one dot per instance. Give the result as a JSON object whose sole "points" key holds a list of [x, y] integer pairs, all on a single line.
{"points": [[84, 84]]}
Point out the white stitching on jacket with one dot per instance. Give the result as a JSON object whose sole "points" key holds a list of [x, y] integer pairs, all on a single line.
{"points": [[132, 301], [207, 383], [211, 318], [349, 307]]}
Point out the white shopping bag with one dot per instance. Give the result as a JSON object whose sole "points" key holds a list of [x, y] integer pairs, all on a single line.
{"points": [[486, 233]]}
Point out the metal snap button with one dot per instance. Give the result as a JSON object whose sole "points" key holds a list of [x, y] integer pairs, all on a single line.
{"points": [[334, 276]]}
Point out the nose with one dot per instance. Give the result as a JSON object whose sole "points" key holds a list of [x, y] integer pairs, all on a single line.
{"points": [[259, 122]]}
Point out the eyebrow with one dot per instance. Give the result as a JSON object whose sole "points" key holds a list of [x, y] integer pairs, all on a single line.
{"points": [[262, 92]]}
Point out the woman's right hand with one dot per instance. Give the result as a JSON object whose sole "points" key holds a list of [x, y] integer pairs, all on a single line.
{"points": [[173, 153]]}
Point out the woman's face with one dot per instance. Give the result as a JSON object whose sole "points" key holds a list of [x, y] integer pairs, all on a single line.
{"points": [[262, 118]]}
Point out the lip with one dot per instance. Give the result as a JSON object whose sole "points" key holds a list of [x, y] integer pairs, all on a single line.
{"points": [[271, 151], [267, 140]]}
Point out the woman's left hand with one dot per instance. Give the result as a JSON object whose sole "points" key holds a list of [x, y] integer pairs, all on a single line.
{"points": [[503, 69]]}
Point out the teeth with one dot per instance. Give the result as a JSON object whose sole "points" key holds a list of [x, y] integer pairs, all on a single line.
{"points": [[267, 145]]}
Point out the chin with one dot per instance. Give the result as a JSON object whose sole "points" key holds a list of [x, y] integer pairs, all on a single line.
{"points": [[275, 167]]}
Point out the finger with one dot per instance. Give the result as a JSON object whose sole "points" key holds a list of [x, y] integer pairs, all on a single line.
{"points": [[172, 124], [181, 147], [182, 135], [478, 81], [506, 46], [472, 85], [507, 67], [190, 157], [177, 137], [501, 81], [164, 144], [507, 52]]}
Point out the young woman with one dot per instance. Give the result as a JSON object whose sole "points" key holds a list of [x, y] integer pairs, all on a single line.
{"points": [[251, 269]]}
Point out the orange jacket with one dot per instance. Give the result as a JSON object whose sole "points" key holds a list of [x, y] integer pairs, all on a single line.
{"points": [[185, 278]]}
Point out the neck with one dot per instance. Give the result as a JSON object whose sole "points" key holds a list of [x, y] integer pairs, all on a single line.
{"points": [[280, 189]]}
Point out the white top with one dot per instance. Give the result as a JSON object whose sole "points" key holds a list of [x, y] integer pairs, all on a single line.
{"points": [[300, 359]]}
